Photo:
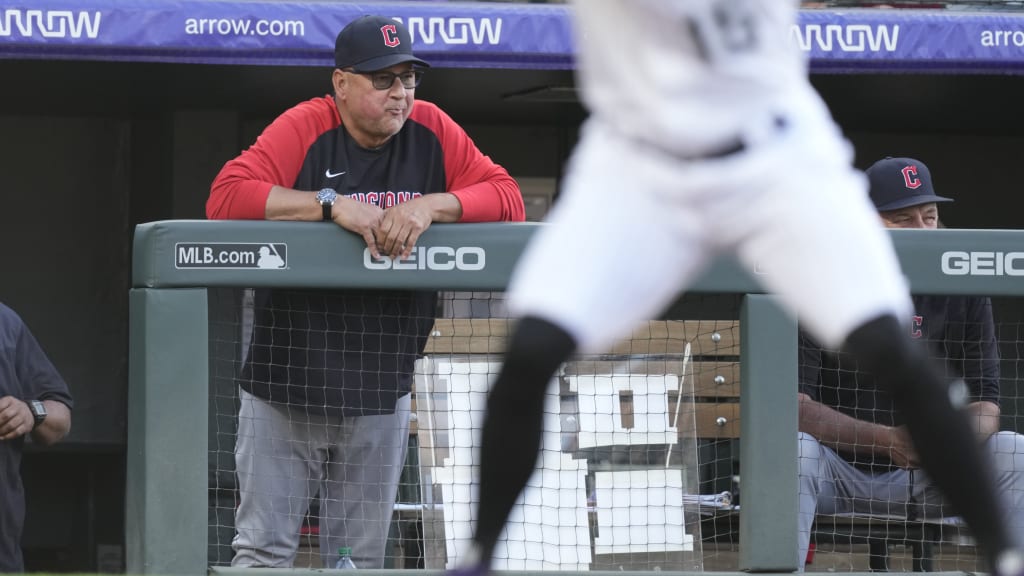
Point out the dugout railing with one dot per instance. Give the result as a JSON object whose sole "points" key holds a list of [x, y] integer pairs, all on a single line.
{"points": [[176, 262]]}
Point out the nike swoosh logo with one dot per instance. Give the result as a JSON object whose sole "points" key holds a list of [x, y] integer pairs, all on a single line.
{"points": [[333, 175]]}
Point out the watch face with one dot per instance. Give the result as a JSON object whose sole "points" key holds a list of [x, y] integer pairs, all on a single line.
{"points": [[38, 410], [326, 196]]}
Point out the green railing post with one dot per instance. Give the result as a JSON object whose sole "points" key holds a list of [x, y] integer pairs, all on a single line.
{"points": [[768, 437], [166, 500]]}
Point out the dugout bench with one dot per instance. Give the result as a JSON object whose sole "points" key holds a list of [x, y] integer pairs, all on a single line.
{"points": [[717, 408]]}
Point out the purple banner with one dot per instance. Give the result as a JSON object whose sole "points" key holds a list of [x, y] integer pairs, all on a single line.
{"points": [[899, 40], [485, 35], [279, 33]]}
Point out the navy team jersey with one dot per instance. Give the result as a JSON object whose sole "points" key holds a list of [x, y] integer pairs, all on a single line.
{"points": [[956, 329], [352, 352], [27, 374]]}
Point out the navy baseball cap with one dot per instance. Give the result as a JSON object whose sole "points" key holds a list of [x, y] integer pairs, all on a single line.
{"points": [[372, 43], [901, 183]]}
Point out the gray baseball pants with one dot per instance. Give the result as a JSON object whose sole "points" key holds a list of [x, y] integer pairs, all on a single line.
{"points": [[831, 485], [284, 457]]}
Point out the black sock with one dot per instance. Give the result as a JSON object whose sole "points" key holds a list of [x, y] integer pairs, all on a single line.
{"points": [[942, 435], [514, 422]]}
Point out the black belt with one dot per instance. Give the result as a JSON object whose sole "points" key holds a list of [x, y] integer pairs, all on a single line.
{"points": [[731, 147]]}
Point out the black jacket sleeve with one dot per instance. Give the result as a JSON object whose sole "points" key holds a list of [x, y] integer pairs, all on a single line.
{"points": [[810, 366], [980, 351]]}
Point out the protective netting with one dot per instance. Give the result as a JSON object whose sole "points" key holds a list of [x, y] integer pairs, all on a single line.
{"points": [[865, 486], [630, 477]]}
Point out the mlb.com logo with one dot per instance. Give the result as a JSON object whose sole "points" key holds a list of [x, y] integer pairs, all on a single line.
{"points": [[235, 255]]}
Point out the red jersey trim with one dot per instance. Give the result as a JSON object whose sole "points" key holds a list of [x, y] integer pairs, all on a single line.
{"points": [[239, 192], [486, 190]]}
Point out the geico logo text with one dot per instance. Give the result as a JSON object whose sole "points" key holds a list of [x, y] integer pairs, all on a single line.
{"points": [[431, 258], [955, 263]]}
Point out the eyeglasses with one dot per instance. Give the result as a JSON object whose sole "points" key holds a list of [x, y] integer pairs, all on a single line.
{"points": [[384, 80]]}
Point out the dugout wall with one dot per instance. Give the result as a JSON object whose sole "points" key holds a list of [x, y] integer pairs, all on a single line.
{"points": [[104, 133]]}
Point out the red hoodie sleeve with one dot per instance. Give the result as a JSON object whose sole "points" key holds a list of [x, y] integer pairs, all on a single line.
{"points": [[485, 189], [240, 190]]}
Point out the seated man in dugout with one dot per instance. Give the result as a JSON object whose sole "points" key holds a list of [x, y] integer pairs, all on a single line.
{"points": [[855, 455]]}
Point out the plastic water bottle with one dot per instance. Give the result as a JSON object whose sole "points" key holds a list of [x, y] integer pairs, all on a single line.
{"points": [[345, 559]]}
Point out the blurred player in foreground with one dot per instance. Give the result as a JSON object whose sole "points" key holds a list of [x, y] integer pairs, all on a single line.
{"points": [[705, 136]]}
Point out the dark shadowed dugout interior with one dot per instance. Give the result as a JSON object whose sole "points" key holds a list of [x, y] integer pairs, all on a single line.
{"points": [[92, 147]]}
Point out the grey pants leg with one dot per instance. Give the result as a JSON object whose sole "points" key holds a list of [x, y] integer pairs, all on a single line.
{"points": [[357, 496], [1006, 452], [284, 457], [1007, 449], [278, 458], [831, 485]]}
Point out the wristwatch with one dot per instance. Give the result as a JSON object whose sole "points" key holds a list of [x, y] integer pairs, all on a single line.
{"points": [[38, 410], [326, 198]]}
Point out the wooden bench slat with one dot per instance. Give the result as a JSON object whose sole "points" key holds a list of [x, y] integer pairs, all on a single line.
{"points": [[487, 336], [716, 379], [705, 379], [706, 415], [700, 419]]}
